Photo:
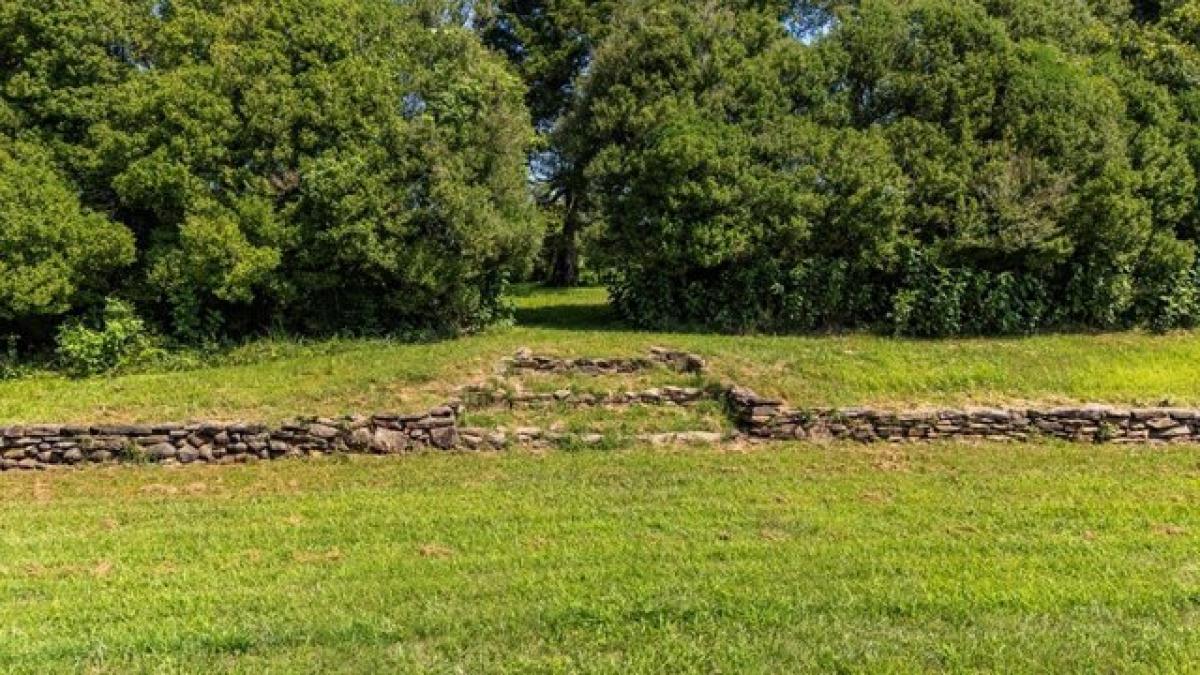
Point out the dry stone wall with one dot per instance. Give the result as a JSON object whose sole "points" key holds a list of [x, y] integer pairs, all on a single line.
{"points": [[757, 418], [484, 396], [771, 419], [44, 446], [526, 361]]}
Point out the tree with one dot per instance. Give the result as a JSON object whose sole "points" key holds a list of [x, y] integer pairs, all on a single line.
{"points": [[962, 166], [552, 43], [714, 192], [58, 257], [325, 166]]}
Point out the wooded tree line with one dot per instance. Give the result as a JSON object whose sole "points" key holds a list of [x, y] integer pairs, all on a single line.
{"points": [[929, 167]]}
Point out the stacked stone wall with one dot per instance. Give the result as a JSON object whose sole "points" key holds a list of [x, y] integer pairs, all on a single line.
{"points": [[527, 361], [42, 446], [756, 418], [767, 418]]}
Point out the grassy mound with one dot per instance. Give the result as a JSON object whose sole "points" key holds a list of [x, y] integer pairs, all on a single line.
{"points": [[271, 380]]}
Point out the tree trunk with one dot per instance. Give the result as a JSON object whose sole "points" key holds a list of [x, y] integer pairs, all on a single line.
{"points": [[564, 267]]}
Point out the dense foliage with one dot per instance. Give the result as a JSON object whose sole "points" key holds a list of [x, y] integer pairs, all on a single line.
{"points": [[936, 167], [929, 167], [339, 165]]}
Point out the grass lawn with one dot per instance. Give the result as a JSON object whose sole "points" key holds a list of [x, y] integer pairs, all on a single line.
{"points": [[272, 380], [622, 558], [1045, 558]]}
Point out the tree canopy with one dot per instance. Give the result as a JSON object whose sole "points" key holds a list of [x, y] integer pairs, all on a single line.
{"points": [[929, 167], [322, 166], [935, 166]]}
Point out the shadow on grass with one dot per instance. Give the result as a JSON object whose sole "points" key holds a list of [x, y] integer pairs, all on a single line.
{"points": [[580, 308], [581, 316]]}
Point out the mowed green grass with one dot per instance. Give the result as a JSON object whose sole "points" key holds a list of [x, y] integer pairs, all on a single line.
{"points": [[272, 380], [782, 558]]}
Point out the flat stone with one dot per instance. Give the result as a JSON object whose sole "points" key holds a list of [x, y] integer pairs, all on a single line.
{"points": [[162, 451], [148, 441], [702, 437], [1161, 423], [324, 431], [389, 442], [990, 414], [43, 430], [1176, 432], [444, 437]]}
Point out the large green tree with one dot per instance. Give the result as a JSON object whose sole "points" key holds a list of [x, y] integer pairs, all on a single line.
{"points": [[337, 165], [1001, 166], [714, 188], [56, 253], [551, 44]]}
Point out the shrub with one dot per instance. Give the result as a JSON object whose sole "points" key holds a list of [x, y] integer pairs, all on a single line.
{"points": [[1029, 185], [322, 166], [55, 255], [120, 340]]}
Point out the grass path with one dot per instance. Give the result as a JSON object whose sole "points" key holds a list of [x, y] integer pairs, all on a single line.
{"points": [[1041, 558], [272, 380]]}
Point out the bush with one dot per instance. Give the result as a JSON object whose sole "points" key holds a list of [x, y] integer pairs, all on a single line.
{"points": [[11, 364], [55, 255], [1029, 186], [121, 339], [720, 207], [348, 166]]}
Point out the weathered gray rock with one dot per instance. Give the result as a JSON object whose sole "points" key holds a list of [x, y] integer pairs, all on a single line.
{"points": [[361, 439], [389, 442], [161, 451], [324, 431], [701, 437], [444, 437]]}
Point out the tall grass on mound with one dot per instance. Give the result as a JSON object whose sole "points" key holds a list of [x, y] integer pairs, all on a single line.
{"points": [[278, 378]]}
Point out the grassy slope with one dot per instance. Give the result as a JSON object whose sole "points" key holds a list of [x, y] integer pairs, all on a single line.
{"points": [[272, 380], [1043, 557], [1035, 558]]}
